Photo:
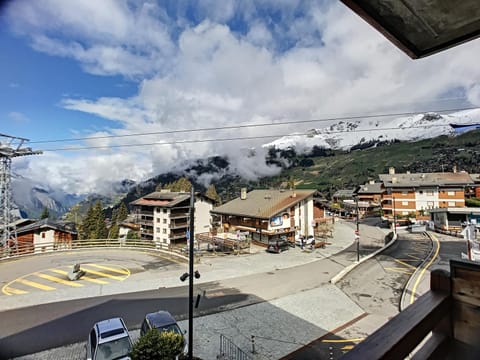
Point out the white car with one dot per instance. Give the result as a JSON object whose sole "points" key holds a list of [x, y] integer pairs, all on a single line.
{"points": [[108, 340], [305, 241]]}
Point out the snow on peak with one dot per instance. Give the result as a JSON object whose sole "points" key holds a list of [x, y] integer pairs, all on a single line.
{"points": [[344, 135]]}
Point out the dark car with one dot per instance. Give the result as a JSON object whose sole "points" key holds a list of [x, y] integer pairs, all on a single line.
{"points": [[278, 245], [162, 321]]}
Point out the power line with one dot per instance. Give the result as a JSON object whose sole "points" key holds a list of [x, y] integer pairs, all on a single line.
{"points": [[179, 142], [167, 132]]}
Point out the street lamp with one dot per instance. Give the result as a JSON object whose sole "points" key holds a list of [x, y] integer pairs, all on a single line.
{"points": [[357, 231]]}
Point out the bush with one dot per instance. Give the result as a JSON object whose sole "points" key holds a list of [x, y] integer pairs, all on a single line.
{"points": [[156, 345]]}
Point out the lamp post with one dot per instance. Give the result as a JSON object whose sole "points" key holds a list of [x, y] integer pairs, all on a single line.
{"points": [[357, 231], [190, 273], [394, 217]]}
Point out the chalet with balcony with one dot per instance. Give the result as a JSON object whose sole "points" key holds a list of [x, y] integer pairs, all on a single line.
{"points": [[164, 216], [268, 214], [41, 235], [413, 195]]}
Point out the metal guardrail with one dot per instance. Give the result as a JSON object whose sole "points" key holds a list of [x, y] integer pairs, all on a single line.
{"points": [[230, 351], [28, 249]]}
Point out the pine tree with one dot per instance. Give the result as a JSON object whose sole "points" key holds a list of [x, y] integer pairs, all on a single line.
{"points": [[88, 223], [212, 194], [122, 213], [45, 213], [99, 230]]}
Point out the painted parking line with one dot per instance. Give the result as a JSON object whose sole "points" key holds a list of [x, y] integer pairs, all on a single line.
{"points": [[7, 290], [103, 274], [59, 280], [35, 284], [86, 278], [116, 270], [55, 278]]}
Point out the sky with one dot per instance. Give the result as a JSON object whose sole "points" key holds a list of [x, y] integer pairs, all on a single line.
{"points": [[106, 88]]}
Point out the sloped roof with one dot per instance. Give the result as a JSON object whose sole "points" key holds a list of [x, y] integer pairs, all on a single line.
{"points": [[162, 199], [342, 193], [263, 204], [67, 227], [375, 188], [426, 179], [167, 199]]}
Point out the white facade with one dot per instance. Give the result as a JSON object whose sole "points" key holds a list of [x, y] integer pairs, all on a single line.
{"points": [[163, 222], [304, 218]]}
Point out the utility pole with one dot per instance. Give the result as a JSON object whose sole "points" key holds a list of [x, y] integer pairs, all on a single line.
{"points": [[10, 147], [190, 273], [357, 231], [394, 217]]}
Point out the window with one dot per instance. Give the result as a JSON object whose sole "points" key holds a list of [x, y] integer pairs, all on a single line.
{"points": [[430, 193], [404, 203], [157, 210], [158, 229], [450, 193], [451, 203], [43, 235], [165, 240], [164, 221], [158, 219], [164, 231], [165, 211]]}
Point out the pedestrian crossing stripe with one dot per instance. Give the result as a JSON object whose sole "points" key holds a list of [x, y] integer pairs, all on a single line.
{"points": [[58, 280], [99, 273], [116, 270]]}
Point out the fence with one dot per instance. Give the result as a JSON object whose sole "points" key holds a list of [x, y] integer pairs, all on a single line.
{"points": [[230, 351], [27, 248]]}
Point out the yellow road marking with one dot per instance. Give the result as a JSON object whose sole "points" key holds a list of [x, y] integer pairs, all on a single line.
{"points": [[58, 280], [347, 347], [414, 290], [342, 340], [35, 284], [413, 257], [99, 273], [405, 264], [120, 271], [12, 291], [87, 278], [400, 269]]}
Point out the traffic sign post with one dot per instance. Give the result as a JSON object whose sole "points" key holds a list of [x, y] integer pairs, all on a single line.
{"points": [[357, 239]]}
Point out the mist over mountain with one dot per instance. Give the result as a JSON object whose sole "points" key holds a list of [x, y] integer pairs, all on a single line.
{"points": [[227, 172]]}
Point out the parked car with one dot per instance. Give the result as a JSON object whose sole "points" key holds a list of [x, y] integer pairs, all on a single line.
{"points": [[305, 241], [162, 321], [109, 339], [278, 245]]}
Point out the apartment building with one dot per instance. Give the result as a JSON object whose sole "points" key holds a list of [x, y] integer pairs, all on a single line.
{"points": [[413, 195], [164, 216], [269, 214]]}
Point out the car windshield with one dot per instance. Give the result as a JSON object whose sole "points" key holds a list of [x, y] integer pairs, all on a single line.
{"points": [[115, 349], [170, 328]]}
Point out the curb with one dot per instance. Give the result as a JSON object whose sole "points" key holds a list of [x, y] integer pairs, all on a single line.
{"points": [[349, 268]]}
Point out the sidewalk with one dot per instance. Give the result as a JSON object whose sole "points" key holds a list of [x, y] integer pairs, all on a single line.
{"points": [[281, 324]]}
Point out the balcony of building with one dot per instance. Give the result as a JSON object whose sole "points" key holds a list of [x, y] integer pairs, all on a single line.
{"points": [[444, 323]]}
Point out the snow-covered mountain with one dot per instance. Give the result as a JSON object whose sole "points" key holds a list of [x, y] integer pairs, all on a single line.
{"points": [[349, 134]]}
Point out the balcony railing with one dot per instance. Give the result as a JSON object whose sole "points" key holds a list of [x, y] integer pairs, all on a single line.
{"points": [[444, 323]]}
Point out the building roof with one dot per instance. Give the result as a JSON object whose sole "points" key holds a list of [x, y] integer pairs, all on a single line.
{"points": [[166, 199], [457, 210], [67, 227], [421, 28], [263, 204], [162, 199], [426, 179], [371, 188], [344, 193]]}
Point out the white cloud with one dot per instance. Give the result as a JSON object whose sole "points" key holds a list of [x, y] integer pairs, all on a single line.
{"points": [[198, 71], [18, 117]]}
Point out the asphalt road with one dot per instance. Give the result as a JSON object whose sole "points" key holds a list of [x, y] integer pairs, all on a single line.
{"points": [[376, 286]]}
